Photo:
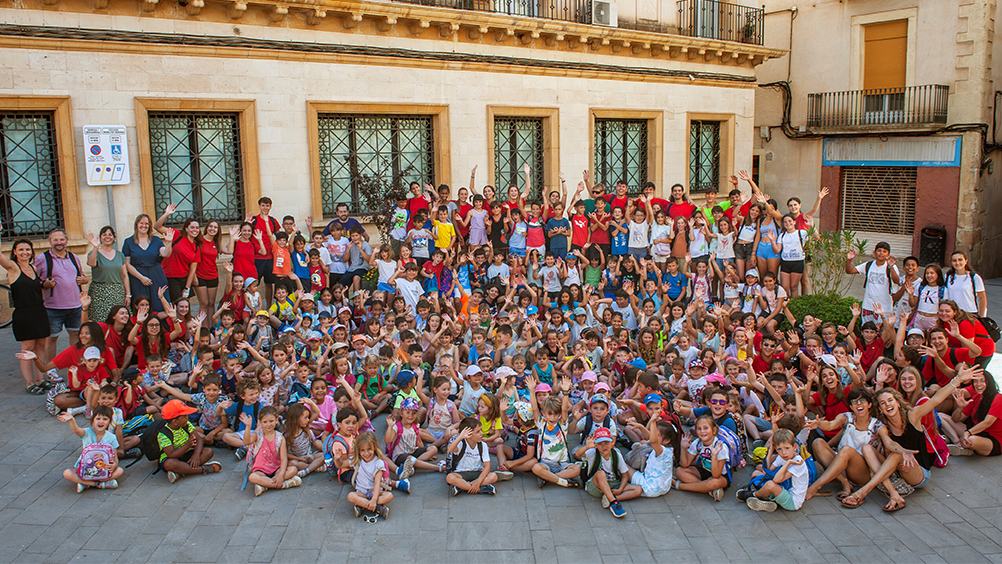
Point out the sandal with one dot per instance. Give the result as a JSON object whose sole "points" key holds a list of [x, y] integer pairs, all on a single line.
{"points": [[823, 493], [35, 390], [842, 495], [897, 506], [848, 502], [46, 385]]}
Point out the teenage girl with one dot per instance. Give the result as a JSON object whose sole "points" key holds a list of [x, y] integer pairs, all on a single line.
{"points": [[744, 248], [790, 245], [925, 301], [768, 259]]}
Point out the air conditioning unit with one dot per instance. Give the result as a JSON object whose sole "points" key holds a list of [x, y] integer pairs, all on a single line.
{"points": [[604, 13]]}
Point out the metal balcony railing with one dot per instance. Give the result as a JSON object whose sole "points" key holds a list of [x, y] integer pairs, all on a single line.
{"points": [[908, 105], [711, 19], [578, 11]]}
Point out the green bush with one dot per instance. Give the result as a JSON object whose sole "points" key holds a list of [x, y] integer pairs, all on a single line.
{"points": [[826, 307]]}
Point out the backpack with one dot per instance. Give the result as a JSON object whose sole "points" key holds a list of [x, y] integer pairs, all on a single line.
{"points": [[589, 423], [452, 459], [866, 275], [297, 391], [596, 464], [48, 267], [332, 468], [95, 462], [988, 323], [240, 409], [730, 438], [149, 443], [396, 440]]}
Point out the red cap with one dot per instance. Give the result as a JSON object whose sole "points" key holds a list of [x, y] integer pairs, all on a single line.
{"points": [[602, 434], [176, 408]]}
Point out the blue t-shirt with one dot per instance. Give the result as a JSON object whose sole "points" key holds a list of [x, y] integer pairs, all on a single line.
{"points": [[463, 277], [558, 241], [724, 421], [620, 242], [673, 284], [301, 265], [235, 423], [517, 239]]}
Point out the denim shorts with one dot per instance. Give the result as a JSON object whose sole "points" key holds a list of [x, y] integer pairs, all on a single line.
{"points": [[556, 467], [70, 318], [926, 474]]}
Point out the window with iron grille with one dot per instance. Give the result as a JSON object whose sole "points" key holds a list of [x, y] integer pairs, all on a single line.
{"points": [[621, 153], [354, 147], [518, 140], [196, 160], [30, 195], [704, 155], [879, 199]]}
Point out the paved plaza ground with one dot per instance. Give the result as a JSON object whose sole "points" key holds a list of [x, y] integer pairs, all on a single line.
{"points": [[956, 518]]}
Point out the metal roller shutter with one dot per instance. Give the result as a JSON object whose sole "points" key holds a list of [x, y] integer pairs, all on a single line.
{"points": [[878, 202]]}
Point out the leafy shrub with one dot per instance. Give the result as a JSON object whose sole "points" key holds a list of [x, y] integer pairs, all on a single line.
{"points": [[827, 250], [826, 307]]}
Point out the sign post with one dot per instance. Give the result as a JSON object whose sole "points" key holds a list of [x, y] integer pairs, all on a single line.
{"points": [[106, 150]]}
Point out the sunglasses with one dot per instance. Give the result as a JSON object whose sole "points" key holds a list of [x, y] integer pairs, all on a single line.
{"points": [[718, 402], [857, 401]]}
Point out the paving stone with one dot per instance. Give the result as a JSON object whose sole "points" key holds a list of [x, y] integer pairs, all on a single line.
{"points": [[476, 535]]}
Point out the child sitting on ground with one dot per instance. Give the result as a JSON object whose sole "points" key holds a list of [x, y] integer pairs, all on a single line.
{"points": [[612, 483], [787, 476], [368, 470], [554, 464], [704, 466], [655, 479], [182, 449], [297, 438], [97, 466], [206, 402], [403, 442], [470, 470], [267, 454]]}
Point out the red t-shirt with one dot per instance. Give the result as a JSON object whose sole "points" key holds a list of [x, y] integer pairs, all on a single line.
{"points": [[114, 343], [415, 205], [259, 224], [931, 373], [976, 332], [601, 236], [654, 202], [509, 205], [461, 211], [243, 258], [616, 202], [141, 352], [870, 353], [832, 409], [995, 429], [99, 375], [579, 230], [683, 209], [72, 355], [207, 256], [183, 253], [761, 364]]}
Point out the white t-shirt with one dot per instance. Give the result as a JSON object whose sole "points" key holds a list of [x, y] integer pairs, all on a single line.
{"points": [[336, 249], [325, 255], [747, 233], [928, 298], [793, 247], [878, 286], [799, 478], [704, 454], [962, 291], [386, 269], [723, 245], [399, 222], [639, 235], [474, 458], [629, 320], [606, 464], [411, 291]]}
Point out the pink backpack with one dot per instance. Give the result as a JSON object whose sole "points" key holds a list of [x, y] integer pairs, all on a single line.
{"points": [[96, 461], [396, 440]]}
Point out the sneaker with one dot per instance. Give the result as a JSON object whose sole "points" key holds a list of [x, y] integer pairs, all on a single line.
{"points": [[605, 502], [504, 475], [81, 488], [407, 470], [617, 509], [294, 482], [717, 494], [455, 491], [441, 466], [540, 482], [757, 443], [756, 504], [323, 468], [74, 411], [259, 489], [172, 477], [403, 485], [107, 485], [358, 510], [745, 493], [53, 376], [211, 467], [88, 413], [302, 473], [383, 511], [488, 489], [241, 453], [134, 452], [957, 450]]}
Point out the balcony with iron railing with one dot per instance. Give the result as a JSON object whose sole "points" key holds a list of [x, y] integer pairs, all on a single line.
{"points": [[881, 108], [578, 11], [711, 19]]}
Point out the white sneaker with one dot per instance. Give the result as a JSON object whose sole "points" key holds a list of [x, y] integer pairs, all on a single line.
{"points": [[756, 504], [717, 494], [504, 475], [259, 489], [81, 488], [605, 502], [53, 376], [108, 485], [172, 477]]}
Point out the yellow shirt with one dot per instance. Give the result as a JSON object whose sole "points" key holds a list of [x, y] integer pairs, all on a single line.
{"points": [[489, 427], [443, 233]]}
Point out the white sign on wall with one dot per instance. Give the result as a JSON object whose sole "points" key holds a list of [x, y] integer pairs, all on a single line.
{"points": [[107, 155]]}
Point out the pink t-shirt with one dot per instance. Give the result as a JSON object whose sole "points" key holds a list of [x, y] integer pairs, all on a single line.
{"points": [[328, 409]]}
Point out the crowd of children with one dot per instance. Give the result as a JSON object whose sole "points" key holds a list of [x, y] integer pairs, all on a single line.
{"points": [[628, 347]]}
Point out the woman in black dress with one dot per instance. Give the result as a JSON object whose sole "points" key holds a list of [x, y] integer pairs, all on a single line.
{"points": [[30, 320]]}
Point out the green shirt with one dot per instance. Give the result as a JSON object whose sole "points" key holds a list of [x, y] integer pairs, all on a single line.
{"points": [[108, 271], [180, 438], [708, 212]]}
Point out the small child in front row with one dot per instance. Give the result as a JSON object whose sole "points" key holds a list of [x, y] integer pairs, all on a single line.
{"points": [[268, 454], [297, 438], [607, 475], [655, 479], [369, 470], [471, 468], [788, 477], [704, 467], [97, 466]]}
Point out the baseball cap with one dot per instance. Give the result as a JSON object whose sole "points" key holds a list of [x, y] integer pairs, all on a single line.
{"points": [[287, 329], [600, 387], [543, 388], [409, 404], [324, 315], [262, 313], [344, 309], [308, 296], [176, 408], [524, 410], [602, 435], [589, 375], [338, 346], [505, 371], [696, 363], [580, 311], [915, 331], [358, 338], [477, 291], [652, 398], [404, 377], [599, 397], [503, 315], [92, 353], [315, 336], [639, 363], [751, 272], [473, 369], [716, 377], [531, 310]]}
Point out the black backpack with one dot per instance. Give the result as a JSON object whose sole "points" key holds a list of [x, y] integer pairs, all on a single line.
{"points": [[149, 443], [589, 422], [48, 267], [866, 275], [595, 464], [453, 459]]}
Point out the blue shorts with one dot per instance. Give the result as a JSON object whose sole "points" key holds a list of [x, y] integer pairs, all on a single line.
{"points": [[765, 251], [516, 252], [58, 318], [785, 500], [384, 287], [926, 474], [639, 253]]}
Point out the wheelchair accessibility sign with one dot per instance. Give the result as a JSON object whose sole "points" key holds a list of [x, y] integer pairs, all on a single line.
{"points": [[107, 155]]}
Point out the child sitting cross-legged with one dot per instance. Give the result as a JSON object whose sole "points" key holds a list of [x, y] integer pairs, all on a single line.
{"points": [[267, 453], [555, 465], [302, 455], [97, 466], [368, 471], [403, 442], [182, 449], [523, 457], [704, 465], [787, 477], [206, 402], [470, 470], [607, 475]]}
